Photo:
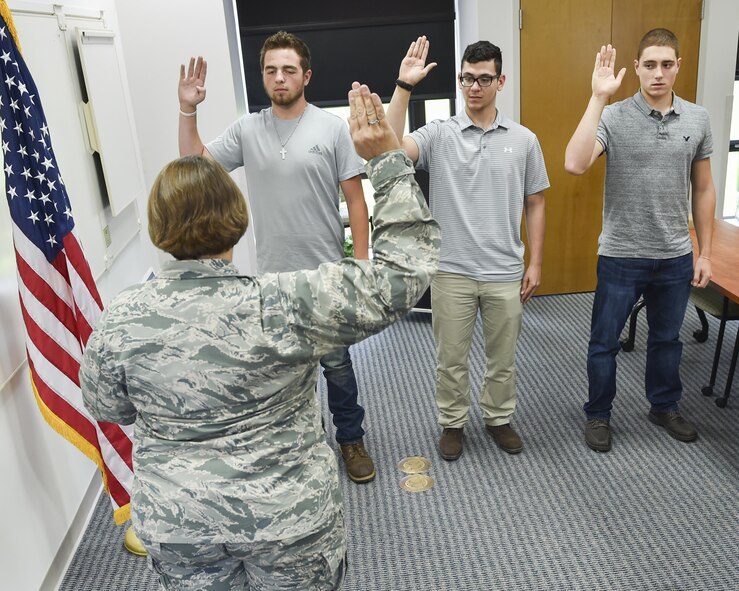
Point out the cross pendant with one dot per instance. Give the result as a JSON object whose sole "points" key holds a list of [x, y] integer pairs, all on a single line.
{"points": [[283, 152]]}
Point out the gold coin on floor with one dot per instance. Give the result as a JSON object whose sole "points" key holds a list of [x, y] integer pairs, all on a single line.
{"points": [[414, 465], [416, 483]]}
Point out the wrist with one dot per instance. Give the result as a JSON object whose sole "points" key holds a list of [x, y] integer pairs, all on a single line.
{"points": [[704, 257], [188, 111], [404, 85]]}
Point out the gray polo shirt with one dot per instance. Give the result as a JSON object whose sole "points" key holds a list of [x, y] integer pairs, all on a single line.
{"points": [[478, 181], [294, 201], [649, 160]]}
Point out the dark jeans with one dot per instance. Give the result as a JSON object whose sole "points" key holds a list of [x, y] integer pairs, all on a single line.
{"points": [[665, 286], [342, 395]]}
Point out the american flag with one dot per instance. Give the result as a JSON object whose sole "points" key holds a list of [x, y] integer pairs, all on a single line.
{"points": [[59, 301]]}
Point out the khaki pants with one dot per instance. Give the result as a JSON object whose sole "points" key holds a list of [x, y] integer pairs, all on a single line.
{"points": [[455, 300]]}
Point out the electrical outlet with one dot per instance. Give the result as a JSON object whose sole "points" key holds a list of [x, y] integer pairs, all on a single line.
{"points": [[106, 236]]}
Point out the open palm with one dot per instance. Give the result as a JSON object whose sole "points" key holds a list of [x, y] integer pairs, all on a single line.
{"points": [[191, 89], [604, 82], [413, 68]]}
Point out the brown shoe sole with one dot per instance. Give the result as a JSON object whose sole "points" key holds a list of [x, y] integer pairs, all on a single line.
{"points": [[509, 450], [362, 479], [452, 457]]}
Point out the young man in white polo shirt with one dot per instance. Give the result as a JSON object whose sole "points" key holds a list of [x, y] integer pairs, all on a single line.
{"points": [[485, 171], [657, 146]]}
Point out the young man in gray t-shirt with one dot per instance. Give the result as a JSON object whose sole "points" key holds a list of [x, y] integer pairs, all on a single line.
{"points": [[657, 148], [296, 157]]}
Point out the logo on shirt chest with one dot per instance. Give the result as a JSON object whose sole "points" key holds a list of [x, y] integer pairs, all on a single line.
{"points": [[507, 150], [315, 150]]}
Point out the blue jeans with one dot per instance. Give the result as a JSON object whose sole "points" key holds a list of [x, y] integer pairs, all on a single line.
{"points": [[342, 396], [665, 286]]}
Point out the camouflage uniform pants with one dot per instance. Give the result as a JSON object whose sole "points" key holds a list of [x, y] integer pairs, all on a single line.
{"points": [[312, 563]]}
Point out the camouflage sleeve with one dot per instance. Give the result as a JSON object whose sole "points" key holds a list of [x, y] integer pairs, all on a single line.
{"points": [[102, 381], [347, 301]]}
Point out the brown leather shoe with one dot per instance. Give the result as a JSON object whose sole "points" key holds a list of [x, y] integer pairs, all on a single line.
{"points": [[506, 438], [451, 443], [359, 464]]}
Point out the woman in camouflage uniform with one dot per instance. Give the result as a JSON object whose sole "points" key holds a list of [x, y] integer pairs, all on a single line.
{"points": [[235, 484]]}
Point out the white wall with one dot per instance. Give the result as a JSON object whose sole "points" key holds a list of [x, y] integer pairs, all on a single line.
{"points": [[157, 37], [716, 67], [44, 477], [48, 486], [495, 21]]}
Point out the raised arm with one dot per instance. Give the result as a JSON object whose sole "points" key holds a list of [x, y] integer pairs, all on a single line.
{"points": [[413, 69], [191, 92], [347, 301], [583, 148], [704, 206]]}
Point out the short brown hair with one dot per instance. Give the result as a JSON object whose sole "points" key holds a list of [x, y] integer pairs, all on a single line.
{"points": [[660, 38], [195, 209], [283, 40]]}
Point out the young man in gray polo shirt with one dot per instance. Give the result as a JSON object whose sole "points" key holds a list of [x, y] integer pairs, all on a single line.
{"points": [[296, 157], [485, 171], [657, 146]]}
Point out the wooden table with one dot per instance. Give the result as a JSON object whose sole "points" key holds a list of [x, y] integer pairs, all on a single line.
{"points": [[725, 279], [724, 258]]}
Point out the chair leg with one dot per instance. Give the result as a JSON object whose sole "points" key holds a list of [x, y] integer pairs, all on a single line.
{"points": [[627, 344], [701, 335], [708, 390], [721, 402]]}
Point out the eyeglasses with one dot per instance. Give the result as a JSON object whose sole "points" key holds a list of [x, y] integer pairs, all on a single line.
{"points": [[483, 81]]}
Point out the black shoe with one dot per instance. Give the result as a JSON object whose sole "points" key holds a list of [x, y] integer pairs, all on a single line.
{"points": [[675, 424], [598, 434]]}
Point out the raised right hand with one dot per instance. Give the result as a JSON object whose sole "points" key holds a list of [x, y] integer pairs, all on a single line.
{"points": [[371, 133], [413, 68], [604, 83], [191, 89]]}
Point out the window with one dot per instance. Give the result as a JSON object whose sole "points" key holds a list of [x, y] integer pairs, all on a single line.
{"points": [[351, 41]]}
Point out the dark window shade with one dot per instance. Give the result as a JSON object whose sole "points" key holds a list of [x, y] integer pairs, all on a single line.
{"points": [[350, 42]]}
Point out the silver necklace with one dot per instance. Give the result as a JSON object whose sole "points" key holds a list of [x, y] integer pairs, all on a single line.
{"points": [[283, 151]]}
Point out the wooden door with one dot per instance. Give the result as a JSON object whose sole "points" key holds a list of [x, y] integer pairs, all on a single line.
{"points": [[559, 40], [633, 18]]}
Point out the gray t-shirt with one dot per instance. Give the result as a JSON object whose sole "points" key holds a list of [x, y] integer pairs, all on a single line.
{"points": [[478, 181], [294, 201], [649, 160]]}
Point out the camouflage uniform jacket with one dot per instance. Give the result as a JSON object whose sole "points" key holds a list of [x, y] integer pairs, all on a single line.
{"points": [[218, 371]]}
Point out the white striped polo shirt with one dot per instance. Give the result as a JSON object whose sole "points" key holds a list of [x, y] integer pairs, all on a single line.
{"points": [[478, 181]]}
